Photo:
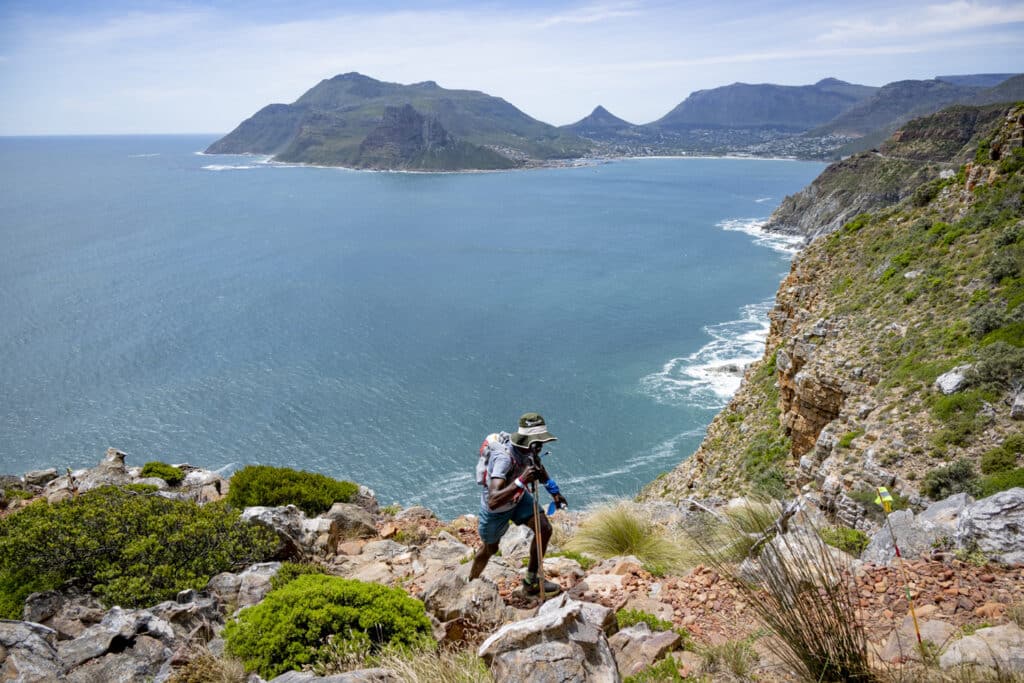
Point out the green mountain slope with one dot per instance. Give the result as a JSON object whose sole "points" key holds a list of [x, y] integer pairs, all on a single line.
{"points": [[327, 124], [846, 396]]}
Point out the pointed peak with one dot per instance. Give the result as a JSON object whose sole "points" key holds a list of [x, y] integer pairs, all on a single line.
{"points": [[599, 110]]}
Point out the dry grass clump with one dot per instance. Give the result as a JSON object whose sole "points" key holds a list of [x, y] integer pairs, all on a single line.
{"points": [[436, 666], [798, 591], [207, 668], [622, 530], [734, 657]]}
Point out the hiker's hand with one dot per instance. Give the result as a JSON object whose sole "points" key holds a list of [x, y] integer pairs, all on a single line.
{"points": [[560, 502], [534, 473]]}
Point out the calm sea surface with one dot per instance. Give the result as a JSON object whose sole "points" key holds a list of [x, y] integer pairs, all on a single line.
{"points": [[374, 326]]}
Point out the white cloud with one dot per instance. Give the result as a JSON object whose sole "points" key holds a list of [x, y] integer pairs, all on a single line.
{"points": [[906, 23], [591, 14]]}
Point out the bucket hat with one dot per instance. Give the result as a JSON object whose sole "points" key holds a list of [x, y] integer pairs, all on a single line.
{"points": [[532, 428]]}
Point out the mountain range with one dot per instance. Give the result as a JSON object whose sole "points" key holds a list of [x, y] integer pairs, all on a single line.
{"points": [[356, 121]]}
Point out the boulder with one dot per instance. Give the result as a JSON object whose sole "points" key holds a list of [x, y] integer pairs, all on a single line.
{"points": [[118, 631], [592, 613], [191, 614], [69, 614], [109, 471], [447, 551], [1017, 407], [143, 658], [515, 544], [637, 647], [367, 499], [384, 550], [450, 597], [417, 513], [29, 653], [254, 583], [224, 587], [917, 535], [995, 526], [201, 478], [40, 477], [286, 522], [999, 647], [351, 521], [953, 381], [556, 645], [902, 642], [359, 676]]}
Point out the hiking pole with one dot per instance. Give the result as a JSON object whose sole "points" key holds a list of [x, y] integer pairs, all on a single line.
{"points": [[536, 536], [885, 500]]}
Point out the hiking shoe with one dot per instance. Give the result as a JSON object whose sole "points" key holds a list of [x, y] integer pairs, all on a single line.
{"points": [[533, 588]]}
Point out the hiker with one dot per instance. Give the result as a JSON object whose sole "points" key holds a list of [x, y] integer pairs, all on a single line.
{"points": [[510, 464]]}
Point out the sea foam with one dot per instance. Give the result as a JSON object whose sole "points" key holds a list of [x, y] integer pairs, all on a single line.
{"points": [[228, 167], [786, 244]]}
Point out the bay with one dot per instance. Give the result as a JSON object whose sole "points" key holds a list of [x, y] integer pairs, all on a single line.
{"points": [[374, 326]]}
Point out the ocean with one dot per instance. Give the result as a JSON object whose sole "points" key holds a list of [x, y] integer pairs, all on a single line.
{"points": [[220, 310]]}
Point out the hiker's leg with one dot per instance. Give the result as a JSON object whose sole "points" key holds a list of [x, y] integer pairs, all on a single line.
{"points": [[545, 536], [482, 557]]}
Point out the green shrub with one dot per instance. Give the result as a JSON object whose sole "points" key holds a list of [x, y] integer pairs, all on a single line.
{"points": [[631, 617], [584, 561], [130, 546], [985, 319], [290, 628], [999, 367], [1001, 481], [866, 499], [290, 571], [1002, 264], [857, 223], [762, 463], [848, 540], [998, 460], [1011, 334], [943, 482], [662, 671], [274, 486], [161, 470]]}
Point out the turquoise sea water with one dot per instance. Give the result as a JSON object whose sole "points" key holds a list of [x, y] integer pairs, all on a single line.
{"points": [[373, 326]]}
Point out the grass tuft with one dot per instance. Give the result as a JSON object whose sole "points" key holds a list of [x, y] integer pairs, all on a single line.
{"points": [[621, 530]]}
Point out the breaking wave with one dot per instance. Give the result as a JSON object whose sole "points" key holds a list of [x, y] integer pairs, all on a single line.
{"points": [[710, 376], [228, 167], [786, 244]]}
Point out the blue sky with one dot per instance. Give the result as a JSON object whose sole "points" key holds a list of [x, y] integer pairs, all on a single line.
{"points": [[177, 67]]}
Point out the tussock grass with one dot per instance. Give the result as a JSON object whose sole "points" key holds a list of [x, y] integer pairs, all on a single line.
{"points": [[801, 594], [207, 668], [440, 666], [736, 657], [622, 530]]}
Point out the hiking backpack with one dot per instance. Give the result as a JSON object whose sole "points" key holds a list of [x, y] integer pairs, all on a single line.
{"points": [[498, 440]]}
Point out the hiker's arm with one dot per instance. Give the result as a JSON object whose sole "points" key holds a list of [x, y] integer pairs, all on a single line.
{"points": [[500, 492]]}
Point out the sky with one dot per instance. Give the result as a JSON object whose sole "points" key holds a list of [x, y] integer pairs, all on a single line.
{"points": [[139, 67]]}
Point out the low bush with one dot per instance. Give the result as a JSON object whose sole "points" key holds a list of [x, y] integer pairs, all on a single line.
{"points": [[848, 438], [1001, 481], [130, 546], [1000, 367], [161, 470], [274, 486], [762, 463], [872, 510], [998, 460], [291, 628], [290, 571], [943, 482], [852, 541], [985, 319], [619, 530], [206, 668]]}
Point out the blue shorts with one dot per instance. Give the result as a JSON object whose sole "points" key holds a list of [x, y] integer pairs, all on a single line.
{"points": [[493, 525]]}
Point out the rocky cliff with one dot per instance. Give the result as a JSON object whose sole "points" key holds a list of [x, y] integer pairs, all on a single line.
{"points": [[896, 341], [866, 182]]}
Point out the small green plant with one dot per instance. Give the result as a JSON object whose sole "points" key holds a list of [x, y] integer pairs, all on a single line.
{"points": [[971, 629], [662, 671], [274, 486], [584, 561], [161, 470], [762, 463], [972, 556], [848, 438], [391, 510], [943, 482], [631, 617], [290, 629], [619, 530], [852, 541], [290, 571]]}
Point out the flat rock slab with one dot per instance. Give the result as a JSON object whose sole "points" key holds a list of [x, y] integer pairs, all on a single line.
{"points": [[998, 646]]}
